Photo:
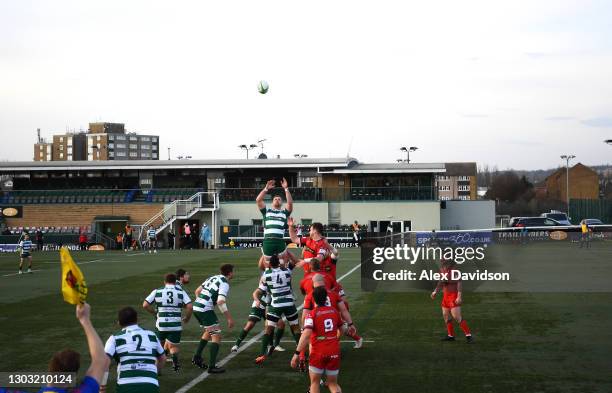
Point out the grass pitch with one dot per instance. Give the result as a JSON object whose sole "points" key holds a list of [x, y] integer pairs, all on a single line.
{"points": [[525, 342]]}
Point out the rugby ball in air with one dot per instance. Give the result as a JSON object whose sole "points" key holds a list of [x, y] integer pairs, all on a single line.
{"points": [[263, 87]]}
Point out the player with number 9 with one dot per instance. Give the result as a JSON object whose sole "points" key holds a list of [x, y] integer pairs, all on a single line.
{"points": [[321, 331]]}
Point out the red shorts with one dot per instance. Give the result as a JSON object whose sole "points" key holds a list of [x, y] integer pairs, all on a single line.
{"points": [[448, 300], [320, 362]]}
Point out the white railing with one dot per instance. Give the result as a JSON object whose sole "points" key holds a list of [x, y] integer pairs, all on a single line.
{"points": [[181, 208]]}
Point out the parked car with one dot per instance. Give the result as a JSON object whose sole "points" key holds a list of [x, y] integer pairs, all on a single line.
{"points": [[518, 222], [557, 216], [591, 221]]}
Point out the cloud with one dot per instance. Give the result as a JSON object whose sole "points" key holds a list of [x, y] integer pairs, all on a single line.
{"points": [[559, 118], [475, 115], [602, 122], [537, 55]]}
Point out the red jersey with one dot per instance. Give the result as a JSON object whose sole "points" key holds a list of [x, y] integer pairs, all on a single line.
{"points": [[312, 248], [306, 285], [328, 265], [332, 300], [324, 322], [449, 285]]}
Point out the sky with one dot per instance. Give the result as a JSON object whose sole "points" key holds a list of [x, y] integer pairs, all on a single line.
{"points": [[512, 84]]}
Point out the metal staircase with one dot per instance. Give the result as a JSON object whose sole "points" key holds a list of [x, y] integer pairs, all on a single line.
{"points": [[182, 209]]}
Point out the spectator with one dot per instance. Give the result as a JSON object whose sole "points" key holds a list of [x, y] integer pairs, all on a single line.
{"points": [[187, 232], [356, 231], [585, 236], [39, 240], [127, 237], [119, 241], [83, 241], [69, 361], [205, 236], [195, 236], [171, 237]]}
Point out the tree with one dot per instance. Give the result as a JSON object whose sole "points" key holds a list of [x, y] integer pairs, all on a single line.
{"points": [[509, 187]]}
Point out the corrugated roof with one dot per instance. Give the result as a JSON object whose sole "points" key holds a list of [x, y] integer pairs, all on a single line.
{"points": [[394, 168], [174, 164]]}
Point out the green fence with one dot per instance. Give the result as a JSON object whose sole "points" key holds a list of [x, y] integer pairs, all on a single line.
{"points": [[591, 208]]}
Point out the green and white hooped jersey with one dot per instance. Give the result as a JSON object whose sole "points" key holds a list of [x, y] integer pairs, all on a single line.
{"points": [[136, 351], [169, 301], [274, 222], [212, 288], [278, 283]]}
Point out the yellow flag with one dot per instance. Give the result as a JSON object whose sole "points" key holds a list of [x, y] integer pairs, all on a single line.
{"points": [[74, 287]]}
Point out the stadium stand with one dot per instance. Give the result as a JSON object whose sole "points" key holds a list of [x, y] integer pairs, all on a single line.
{"points": [[59, 218]]}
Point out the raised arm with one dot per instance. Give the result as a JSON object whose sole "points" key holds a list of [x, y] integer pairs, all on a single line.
{"points": [[99, 360], [292, 232], [260, 198], [288, 197]]}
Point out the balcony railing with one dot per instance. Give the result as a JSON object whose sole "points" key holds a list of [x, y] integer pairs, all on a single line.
{"points": [[399, 193], [168, 195]]}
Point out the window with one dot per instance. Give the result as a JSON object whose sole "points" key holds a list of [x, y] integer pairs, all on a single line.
{"points": [[133, 146], [442, 178], [61, 155], [220, 180], [154, 139], [145, 155], [444, 198], [464, 178], [464, 188], [111, 145], [121, 145], [307, 181], [154, 147], [133, 138], [444, 188], [111, 137], [120, 137], [61, 147], [145, 139], [120, 154], [61, 139], [154, 155], [145, 147], [111, 154], [133, 154]]}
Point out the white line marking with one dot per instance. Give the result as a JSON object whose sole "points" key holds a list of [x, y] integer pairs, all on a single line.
{"points": [[16, 274], [283, 341], [252, 341], [86, 262], [78, 263]]}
